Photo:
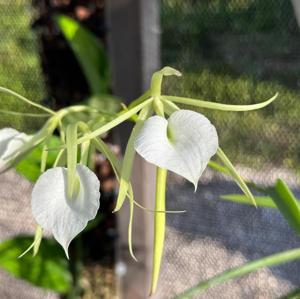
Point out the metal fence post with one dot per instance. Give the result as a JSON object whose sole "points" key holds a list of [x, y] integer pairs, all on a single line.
{"points": [[296, 6], [134, 48]]}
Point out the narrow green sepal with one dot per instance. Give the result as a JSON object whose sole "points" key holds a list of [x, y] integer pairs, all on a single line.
{"points": [[115, 122], [287, 203], [129, 158], [116, 165], [36, 242], [72, 177], [235, 175], [157, 77], [217, 106]]}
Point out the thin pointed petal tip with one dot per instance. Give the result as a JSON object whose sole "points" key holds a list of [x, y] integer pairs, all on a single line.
{"points": [[195, 187], [54, 212], [182, 144], [170, 71]]}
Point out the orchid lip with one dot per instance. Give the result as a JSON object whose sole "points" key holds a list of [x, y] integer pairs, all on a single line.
{"points": [[182, 144], [54, 211]]}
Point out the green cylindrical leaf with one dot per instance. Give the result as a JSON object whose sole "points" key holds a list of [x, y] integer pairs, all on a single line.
{"points": [[225, 276], [129, 158], [218, 106], [73, 182], [287, 203], [159, 225], [235, 175]]}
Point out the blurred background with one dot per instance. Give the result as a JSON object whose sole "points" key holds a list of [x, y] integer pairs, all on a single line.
{"points": [[237, 52]]}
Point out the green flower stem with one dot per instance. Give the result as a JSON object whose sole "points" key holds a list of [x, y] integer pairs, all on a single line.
{"points": [[121, 118], [129, 157], [36, 242], [217, 106], [44, 157], [84, 151], [155, 88], [10, 92], [73, 181], [74, 109], [15, 113], [40, 136], [159, 225], [146, 95], [235, 175], [158, 106], [156, 84], [170, 107], [85, 146], [116, 165], [272, 260], [60, 158], [157, 77]]}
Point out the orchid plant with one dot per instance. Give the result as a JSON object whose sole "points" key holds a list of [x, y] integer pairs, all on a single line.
{"points": [[66, 196]]}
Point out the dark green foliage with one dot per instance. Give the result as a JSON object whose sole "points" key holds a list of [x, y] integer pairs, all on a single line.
{"points": [[30, 166], [49, 269]]}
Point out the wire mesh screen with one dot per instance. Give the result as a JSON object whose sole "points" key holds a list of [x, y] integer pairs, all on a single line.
{"points": [[237, 52], [19, 62], [240, 52], [19, 71]]}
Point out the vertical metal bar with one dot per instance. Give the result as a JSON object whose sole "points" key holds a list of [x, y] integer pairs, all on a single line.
{"points": [[296, 6], [134, 47]]}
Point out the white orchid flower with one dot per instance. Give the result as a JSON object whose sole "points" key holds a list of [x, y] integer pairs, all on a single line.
{"points": [[54, 211], [183, 144], [11, 141]]}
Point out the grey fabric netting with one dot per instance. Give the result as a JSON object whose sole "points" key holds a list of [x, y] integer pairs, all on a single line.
{"points": [[213, 236], [16, 219]]}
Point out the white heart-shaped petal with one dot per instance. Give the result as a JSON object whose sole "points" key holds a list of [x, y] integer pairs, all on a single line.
{"points": [[10, 141], [183, 144], [64, 217]]}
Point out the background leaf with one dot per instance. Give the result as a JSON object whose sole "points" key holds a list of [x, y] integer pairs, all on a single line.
{"points": [[287, 203], [29, 167], [234, 174], [89, 51], [261, 201], [271, 260], [49, 269]]}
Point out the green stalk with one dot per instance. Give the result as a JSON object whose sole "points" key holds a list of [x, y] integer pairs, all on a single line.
{"points": [[159, 225], [235, 175], [10, 92], [72, 177], [121, 118], [129, 157], [217, 106], [271, 260], [24, 113]]}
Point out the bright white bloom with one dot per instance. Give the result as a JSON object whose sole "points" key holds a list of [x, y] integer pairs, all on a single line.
{"points": [[54, 211], [183, 144], [11, 141]]}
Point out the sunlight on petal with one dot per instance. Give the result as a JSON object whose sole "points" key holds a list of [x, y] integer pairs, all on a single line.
{"points": [[64, 217], [183, 144]]}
